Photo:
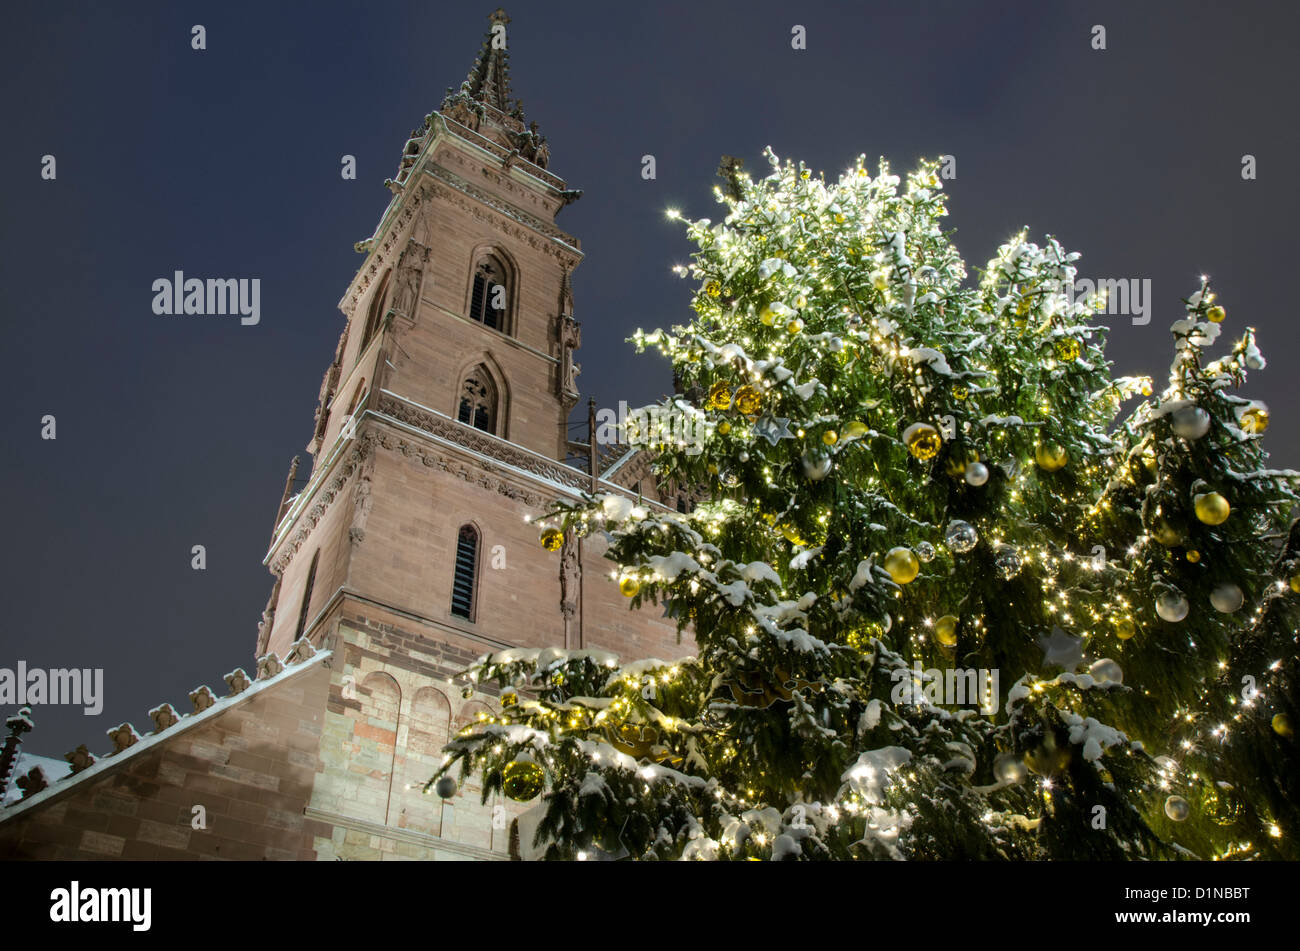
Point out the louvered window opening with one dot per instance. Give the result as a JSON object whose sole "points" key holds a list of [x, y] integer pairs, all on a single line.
{"points": [[462, 586]]}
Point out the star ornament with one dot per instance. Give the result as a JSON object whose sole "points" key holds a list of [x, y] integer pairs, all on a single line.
{"points": [[1062, 650], [773, 429]]}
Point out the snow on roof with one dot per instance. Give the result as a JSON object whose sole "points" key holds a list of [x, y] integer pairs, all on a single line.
{"points": [[301, 656]]}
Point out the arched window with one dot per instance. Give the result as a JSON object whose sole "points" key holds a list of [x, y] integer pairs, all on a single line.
{"points": [[489, 299], [376, 314], [462, 584], [478, 401], [306, 595]]}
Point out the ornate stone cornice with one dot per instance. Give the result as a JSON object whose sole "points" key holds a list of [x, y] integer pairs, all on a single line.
{"points": [[458, 189], [482, 443], [383, 254], [320, 504]]}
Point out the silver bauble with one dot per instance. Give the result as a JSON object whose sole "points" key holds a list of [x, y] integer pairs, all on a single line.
{"points": [[1171, 605], [1190, 422], [1106, 670], [924, 551], [1008, 769], [729, 479], [816, 468], [977, 474], [445, 787], [1008, 562], [1227, 598], [1176, 808], [961, 536]]}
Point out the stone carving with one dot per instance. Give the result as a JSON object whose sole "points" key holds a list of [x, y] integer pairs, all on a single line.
{"points": [[163, 717], [570, 333], [123, 737], [570, 573], [362, 503], [409, 276], [202, 698], [80, 758], [237, 681], [268, 666], [324, 497], [299, 651]]}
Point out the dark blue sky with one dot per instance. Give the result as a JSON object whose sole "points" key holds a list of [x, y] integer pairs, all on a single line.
{"points": [[175, 432]]}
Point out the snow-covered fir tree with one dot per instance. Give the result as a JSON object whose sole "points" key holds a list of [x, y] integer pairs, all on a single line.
{"points": [[956, 591]]}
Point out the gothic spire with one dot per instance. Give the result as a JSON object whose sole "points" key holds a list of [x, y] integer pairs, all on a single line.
{"points": [[489, 80]]}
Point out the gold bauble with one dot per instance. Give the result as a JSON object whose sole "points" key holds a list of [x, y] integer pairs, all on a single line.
{"points": [[1193, 556], [522, 780], [960, 391], [791, 534], [552, 539], [830, 437], [945, 630], [856, 430], [1212, 508], [713, 288], [748, 400], [724, 427], [839, 218], [902, 565], [1051, 456], [1295, 583], [795, 325], [1254, 420], [719, 395], [1046, 758], [1282, 725], [767, 315], [1215, 314], [923, 441], [1167, 533], [1124, 628], [1067, 349], [629, 586]]}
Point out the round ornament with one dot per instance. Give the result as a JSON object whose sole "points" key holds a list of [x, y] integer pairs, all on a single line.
{"points": [[1008, 562], [445, 787], [1171, 605], [1193, 555], [961, 536], [902, 565], [1282, 725], [729, 479], [1227, 598], [713, 288], [855, 430], [925, 551], [1051, 456], [922, 441], [1167, 533], [977, 474], [552, 539], [1125, 629], [1106, 670], [960, 391], [1216, 314], [1190, 422], [1067, 349], [794, 326], [830, 437], [724, 428], [945, 630], [629, 586], [467, 692], [767, 315], [522, 780], [816, 468], [719, 395], [1046, 758], [1295, 583], [744, 456], [1254, 419], [1176, 808], [1008, 769], [1212, 508], [748, 400]]}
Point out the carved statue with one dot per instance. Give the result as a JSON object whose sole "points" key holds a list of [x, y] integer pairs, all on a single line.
{"points": [[362, 502], [409, 272], [570, 333]]}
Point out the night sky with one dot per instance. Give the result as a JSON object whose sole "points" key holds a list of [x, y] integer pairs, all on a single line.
{"points": [[173, 432]]}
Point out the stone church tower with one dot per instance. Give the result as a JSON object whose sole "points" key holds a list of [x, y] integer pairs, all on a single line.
{"points": [[442, 429]]}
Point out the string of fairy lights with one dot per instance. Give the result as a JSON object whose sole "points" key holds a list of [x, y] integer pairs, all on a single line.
{"points": [[841, 306]]}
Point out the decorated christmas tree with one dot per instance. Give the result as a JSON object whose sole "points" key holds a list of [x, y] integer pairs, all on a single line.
{"points": [[955, 591]]}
